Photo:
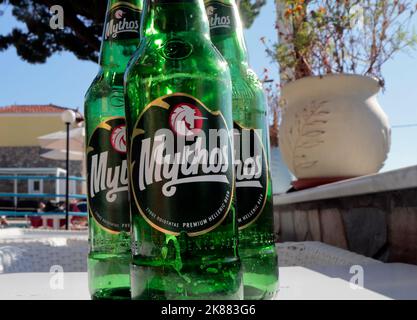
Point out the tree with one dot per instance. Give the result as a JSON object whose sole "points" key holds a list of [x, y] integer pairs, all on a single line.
{"points": [[320, 37], [249, 10], [36, 41]]}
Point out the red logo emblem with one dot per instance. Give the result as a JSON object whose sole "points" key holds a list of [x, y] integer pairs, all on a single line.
{"points": [[118, 139], [119, 14], [186, 119]]}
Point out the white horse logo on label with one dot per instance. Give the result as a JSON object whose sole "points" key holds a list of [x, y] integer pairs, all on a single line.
{"points": [[118, 139], [119, 14], [186, 120], [210, 10]]}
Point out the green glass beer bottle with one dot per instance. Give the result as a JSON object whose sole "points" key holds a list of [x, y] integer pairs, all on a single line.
{"points": [[253, 179], [179, 121], [107, 172]]}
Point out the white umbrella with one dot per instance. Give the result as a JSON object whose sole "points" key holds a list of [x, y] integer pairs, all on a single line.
{"points": [[57, 143], [62, 155], [58, 140]]}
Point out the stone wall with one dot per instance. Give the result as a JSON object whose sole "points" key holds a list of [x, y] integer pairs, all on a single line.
{"points": [[381, 225]]}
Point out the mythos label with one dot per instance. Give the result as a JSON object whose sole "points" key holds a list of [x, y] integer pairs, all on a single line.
{"points": [[221, 17], [251, 174], [107, 177], [182, 166], [122, 22]]}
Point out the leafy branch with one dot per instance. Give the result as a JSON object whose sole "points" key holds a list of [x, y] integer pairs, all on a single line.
{"points": [[319, 37]]}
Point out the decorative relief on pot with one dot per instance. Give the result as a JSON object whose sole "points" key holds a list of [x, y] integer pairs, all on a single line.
{"points": [[333, 127], [307, 132]]}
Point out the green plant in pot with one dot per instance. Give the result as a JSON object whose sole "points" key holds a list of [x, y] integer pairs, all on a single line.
{"points": [[331, 54]]}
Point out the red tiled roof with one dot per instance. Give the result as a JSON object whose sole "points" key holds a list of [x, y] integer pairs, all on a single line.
{"points": [[49, 108]]}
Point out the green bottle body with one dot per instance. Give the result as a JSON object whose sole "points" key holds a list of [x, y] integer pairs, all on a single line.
{"points": [[184, 236], [254, 203], [107, 184]]}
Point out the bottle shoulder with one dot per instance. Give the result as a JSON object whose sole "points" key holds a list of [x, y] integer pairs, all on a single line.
{"points": [[249, 100], [158, 54], [105, 82], [108, 77], [246, 84], [241, 72], [103, 95], [254, 77]]}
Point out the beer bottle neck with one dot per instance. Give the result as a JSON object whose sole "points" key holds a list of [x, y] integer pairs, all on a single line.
{"points": [[226, 31], [174, 16], [120, 34]]}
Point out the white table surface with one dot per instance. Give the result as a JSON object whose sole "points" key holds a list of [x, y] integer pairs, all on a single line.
{"points": [[381, 281]]}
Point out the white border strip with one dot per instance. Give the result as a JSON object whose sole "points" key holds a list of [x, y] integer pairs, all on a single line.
{"points": [[405, 178]]}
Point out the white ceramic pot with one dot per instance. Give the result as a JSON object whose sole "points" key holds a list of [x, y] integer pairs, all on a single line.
{"points": [[333, 126]]}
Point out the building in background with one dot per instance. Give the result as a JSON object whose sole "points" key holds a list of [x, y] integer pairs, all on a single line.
{"points": [[20, 152]]}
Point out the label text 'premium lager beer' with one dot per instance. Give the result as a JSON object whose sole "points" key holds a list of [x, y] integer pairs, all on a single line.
{"points": [[107, 166], [253, 180], [179, 117]]}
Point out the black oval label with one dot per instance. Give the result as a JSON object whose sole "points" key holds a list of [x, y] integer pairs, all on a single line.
{"points": [[107, 176], [122, 22], [181, 166], [251, 166], [221, 17]]}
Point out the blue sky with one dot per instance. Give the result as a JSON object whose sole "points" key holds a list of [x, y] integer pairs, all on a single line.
{"points": [[63, 80]]}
